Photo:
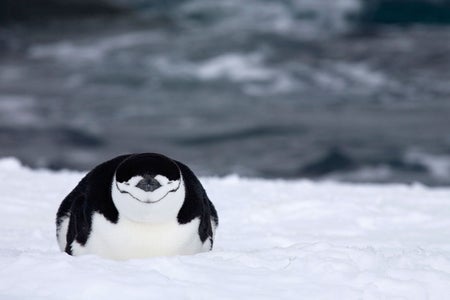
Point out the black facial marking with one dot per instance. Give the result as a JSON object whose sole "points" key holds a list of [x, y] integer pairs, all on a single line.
{"points": [[146, 165]]}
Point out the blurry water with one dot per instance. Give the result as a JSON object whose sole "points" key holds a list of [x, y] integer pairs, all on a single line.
{"points": [[261, 88]]}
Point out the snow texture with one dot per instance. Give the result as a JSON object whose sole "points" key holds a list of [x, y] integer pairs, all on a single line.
{"points": [[276, 240]]}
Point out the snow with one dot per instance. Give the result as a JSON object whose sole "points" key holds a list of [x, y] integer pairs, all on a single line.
{"points": [[276, 240]]}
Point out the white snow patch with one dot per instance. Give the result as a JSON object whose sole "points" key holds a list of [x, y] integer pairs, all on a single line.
{"points": [[276, 240], [10, 164]]}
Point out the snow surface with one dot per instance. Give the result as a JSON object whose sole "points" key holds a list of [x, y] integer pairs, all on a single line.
{"points": [[276, 240]]}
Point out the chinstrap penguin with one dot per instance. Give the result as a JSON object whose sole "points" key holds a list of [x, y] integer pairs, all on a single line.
{"points": [[136, 206]]}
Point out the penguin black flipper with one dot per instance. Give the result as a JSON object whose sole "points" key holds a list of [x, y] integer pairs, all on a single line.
{"points": [[68, 211], [214, 216], [79, 210], [197, 205]]}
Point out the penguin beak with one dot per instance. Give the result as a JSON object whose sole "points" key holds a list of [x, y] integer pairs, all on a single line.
{"points": [[148, 184]]}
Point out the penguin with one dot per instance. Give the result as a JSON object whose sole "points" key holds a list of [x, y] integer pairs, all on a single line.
{"points": [[137, 206]]}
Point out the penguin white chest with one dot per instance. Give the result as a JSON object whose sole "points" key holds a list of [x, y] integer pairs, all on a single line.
{"points": [[127, 239]]}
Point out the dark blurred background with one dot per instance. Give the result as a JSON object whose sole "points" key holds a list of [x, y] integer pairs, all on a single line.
{"points": [[337, 89]]}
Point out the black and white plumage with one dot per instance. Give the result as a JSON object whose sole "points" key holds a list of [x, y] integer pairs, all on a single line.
{"points": [[135, 206]]}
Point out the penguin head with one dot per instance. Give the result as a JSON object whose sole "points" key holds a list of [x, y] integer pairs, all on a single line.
{"points": [[148, 187]]}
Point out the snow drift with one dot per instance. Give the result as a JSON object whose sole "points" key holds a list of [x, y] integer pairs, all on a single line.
{"points": [[277, 240]]}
